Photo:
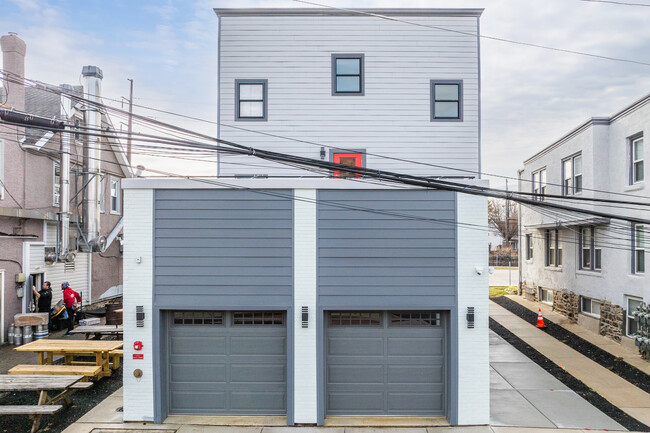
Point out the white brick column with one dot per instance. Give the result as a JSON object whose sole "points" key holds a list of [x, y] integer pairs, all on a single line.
{"points": [[138, 290], [473, 344], [304, 294]]}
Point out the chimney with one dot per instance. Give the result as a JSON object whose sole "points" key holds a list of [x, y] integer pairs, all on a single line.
{"points": [[13, 62], [92, 80]]}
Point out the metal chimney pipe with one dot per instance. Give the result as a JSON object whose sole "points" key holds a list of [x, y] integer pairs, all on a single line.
{"points": [[64, 198], [92, 79]]}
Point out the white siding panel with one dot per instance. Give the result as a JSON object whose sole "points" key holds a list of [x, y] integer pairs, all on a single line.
{"points": [[36, 257], [76, 275], [138, 290], [50, 237], [304, 235], [391, 119], [473, 344]]}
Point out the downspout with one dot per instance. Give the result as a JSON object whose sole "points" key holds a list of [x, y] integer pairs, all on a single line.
{"points": [[63, 232], [520, 256], [92, 77]]}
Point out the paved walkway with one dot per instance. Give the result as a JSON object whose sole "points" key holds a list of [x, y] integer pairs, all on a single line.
{"points": [[523, 394], [610, 386]]}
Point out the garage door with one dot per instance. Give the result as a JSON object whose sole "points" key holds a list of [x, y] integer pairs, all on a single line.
{"points": [[385, 363], [228, 362]]}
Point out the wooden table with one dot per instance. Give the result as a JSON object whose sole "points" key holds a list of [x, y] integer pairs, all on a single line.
{"points": [[99, 330], [42, 384], [46, 349]]}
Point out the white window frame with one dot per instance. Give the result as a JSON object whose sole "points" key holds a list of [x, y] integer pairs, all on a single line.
{"points": [[629, 313], [592, 251], [569, 174], [529, 246], [638, 248], [552, 248], [542, 298], [590, 302], [56, 186], [633, 167], [117, 181], [102, 193], [539, 184]]}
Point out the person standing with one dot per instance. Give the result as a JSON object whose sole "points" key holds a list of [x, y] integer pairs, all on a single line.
{"points": [[44, 297], [70, 298]]}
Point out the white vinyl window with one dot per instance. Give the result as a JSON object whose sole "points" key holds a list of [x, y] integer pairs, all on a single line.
{"points": [[529, 247], [572, 175], [546, 296], [115, 195], [535, 185], [56, 184], [102, 193], [590, 306], [2, 169], [542, 184], [637, 160], [590, 250], [638, 249], [553, 248], [632, 304]]}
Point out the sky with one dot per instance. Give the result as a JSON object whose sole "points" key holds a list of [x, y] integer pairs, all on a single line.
{"points": [[530, 96]]}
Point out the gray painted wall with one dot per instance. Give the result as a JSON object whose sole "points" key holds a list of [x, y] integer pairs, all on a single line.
{"points": [[387, 261], [214, 243]]}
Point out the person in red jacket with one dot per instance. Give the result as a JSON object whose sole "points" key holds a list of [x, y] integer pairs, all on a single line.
{"points": [[70, 298]]}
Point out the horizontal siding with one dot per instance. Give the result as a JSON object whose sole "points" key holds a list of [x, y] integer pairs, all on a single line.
{"points": [[391, 119], [402, 255], [77, 277], [215, 243]]}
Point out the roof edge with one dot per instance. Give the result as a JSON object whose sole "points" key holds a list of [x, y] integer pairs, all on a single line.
{"points": [[449, 12]]}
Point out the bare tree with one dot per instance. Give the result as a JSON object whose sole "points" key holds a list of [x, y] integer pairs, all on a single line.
{"points": [[502, 220]]}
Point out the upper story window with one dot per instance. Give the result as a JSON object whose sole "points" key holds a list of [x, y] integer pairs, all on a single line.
{"points": [[529, 247], [347, 74], [638, 248], [115, 195], [590, 250], [446, 100], [572, 175], [353, 159], [56, 184], [2, 169], [539, 184], [636, 151], [553, 248], [251, 100]]}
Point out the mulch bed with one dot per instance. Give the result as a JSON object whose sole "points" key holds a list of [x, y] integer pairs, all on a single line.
{"points": [[571, 382], [616, 365], [83, 401]]}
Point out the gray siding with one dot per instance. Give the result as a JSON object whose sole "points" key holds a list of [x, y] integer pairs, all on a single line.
{"points": [[211, 244], [386, 260]]}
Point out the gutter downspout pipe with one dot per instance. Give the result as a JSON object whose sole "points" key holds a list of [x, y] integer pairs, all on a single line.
{"points": [[63, 247], [92, 80]]}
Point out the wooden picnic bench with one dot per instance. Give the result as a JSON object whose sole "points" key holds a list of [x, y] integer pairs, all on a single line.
{"points": [[65, 385], [97, 331], [70, 349], [87, 371]]}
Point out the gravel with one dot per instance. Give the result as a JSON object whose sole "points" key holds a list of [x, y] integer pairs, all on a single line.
{"points": [[82, 402], [616, 365], [574, 384]]}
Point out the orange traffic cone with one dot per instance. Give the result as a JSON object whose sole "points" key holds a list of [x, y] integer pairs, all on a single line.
{"points": [[540, 320]]}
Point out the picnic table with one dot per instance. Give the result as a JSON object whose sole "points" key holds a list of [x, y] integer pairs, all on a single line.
{"points": [[98, 330], [65, 385], [46, 349]]}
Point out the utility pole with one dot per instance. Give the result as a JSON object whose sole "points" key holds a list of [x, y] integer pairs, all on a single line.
{"points": [[130, 126]]}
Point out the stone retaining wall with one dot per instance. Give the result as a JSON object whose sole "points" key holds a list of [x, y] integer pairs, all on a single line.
{"points": [[529, 292], [612, 318], [567, 303]]}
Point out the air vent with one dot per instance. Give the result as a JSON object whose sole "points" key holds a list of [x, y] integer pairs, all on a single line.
{"points": [[305, 317], [470, 317], [139, 316]]}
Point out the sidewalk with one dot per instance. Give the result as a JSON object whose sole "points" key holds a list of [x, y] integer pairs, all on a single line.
{"points": [[629, 355], [610, 386]]}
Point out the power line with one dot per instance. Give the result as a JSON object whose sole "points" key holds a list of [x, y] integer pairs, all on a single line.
{"points": [[617, 3], [493, 38]]}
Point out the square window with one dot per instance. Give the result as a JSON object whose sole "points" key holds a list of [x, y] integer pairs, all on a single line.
{"points": [[352, 159], [251, 100], [446, 100], [347, 74]]}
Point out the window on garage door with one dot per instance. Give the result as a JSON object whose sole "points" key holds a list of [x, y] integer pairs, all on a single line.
{"points": [[355, 318], [414, 319], [257, 318]]}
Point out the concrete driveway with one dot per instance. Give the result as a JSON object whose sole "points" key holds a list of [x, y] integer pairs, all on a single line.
{"points": [[523, 394]]}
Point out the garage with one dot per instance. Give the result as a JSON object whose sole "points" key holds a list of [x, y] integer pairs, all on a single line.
{"points": [[386, 363], [227, 362]]}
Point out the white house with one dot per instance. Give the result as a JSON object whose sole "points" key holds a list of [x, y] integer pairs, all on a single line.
{"points": [[330, 295], [592, 269]]}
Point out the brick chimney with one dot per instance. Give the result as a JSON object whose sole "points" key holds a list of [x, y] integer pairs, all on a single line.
{"points": [[13, 61]]}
